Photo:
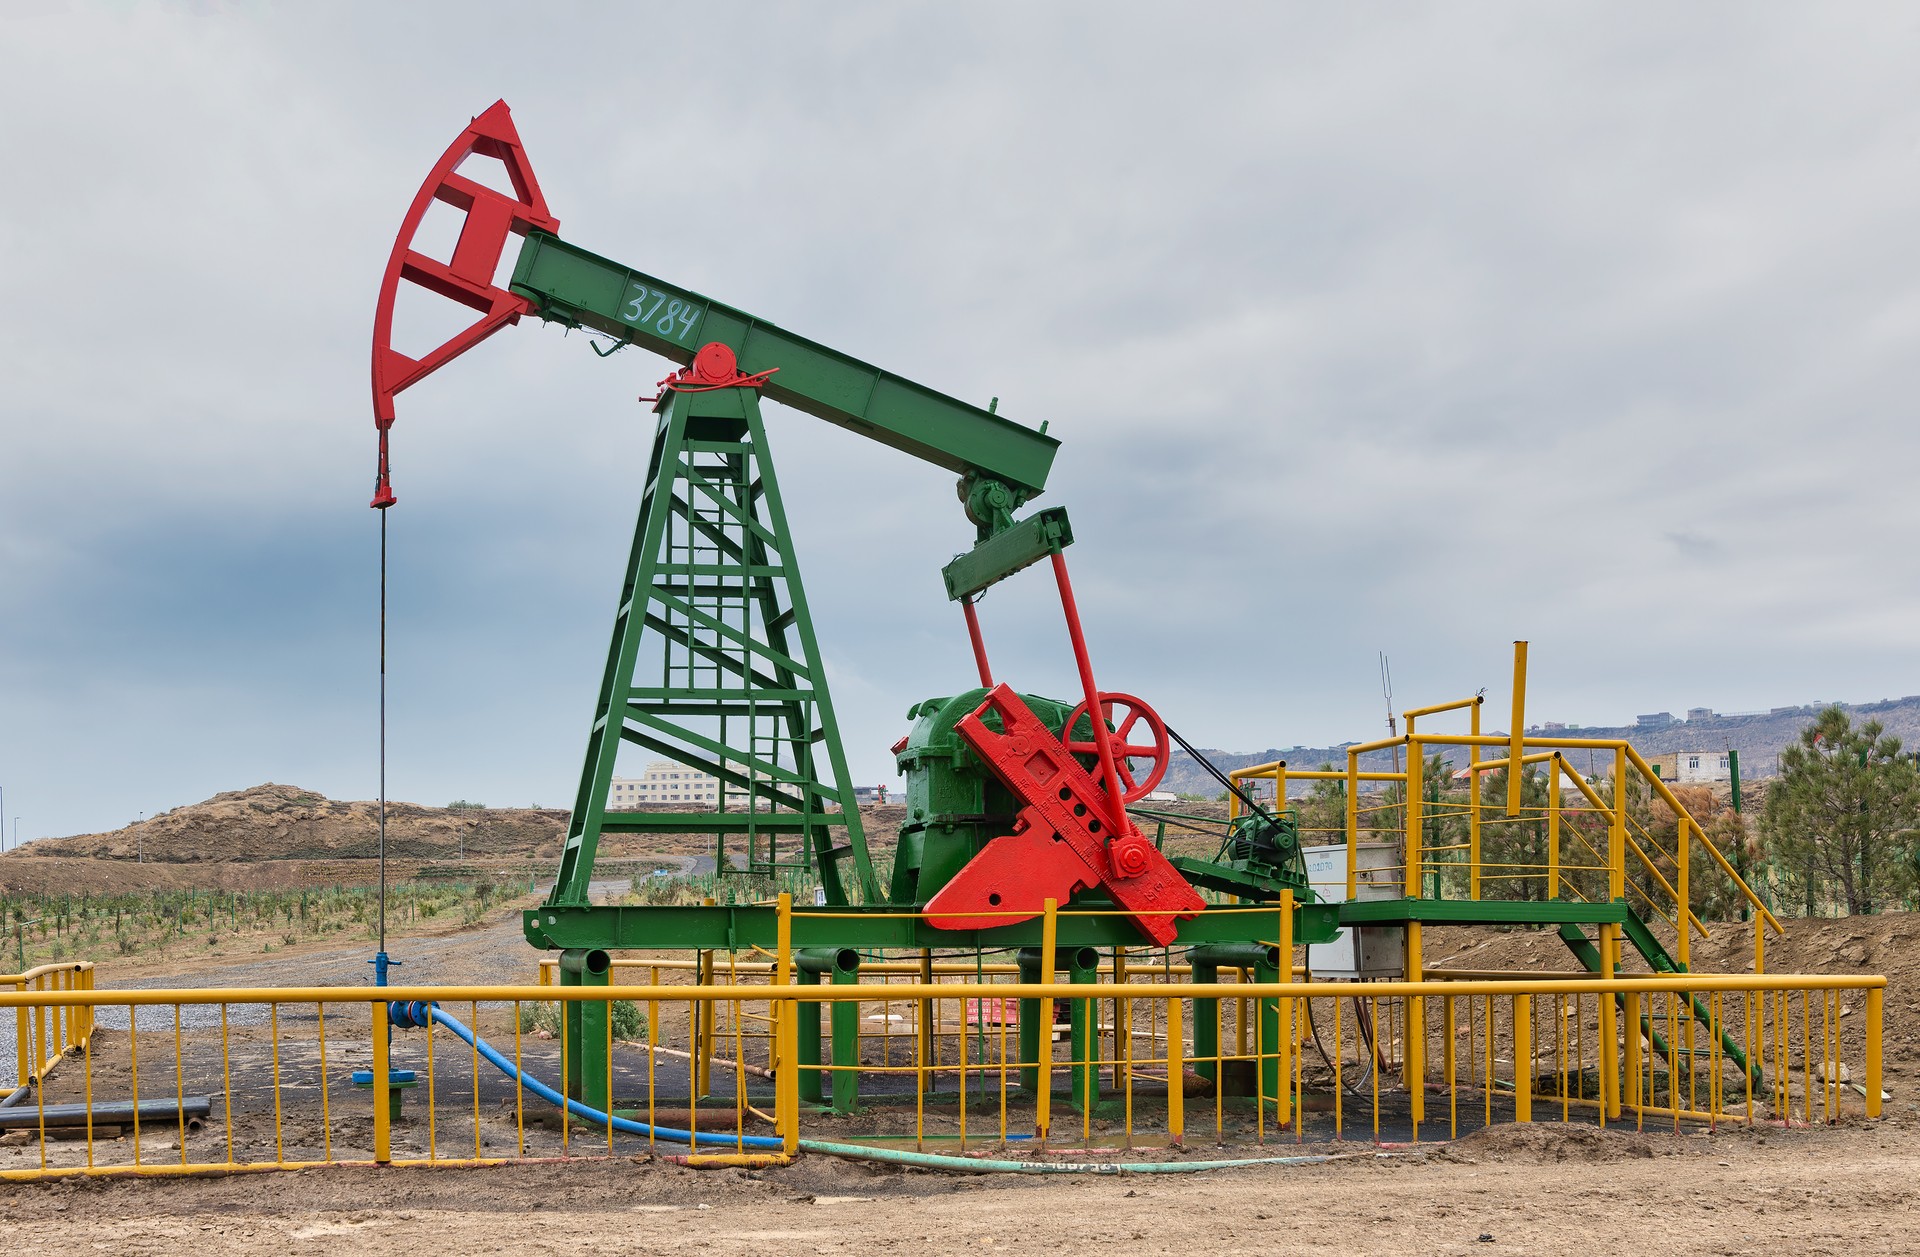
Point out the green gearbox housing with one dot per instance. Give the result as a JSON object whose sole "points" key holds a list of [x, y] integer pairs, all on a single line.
{"points": [[955, 806]]}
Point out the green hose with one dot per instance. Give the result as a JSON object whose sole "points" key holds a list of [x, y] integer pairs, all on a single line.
{"points": [[935, 1161]]}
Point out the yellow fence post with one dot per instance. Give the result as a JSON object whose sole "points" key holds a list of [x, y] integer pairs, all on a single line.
{"points": [[43, 1041], [1043, 1093], [382, 1120], [704, 976], [1609, 1053], [1416, 763], [1473, 805], [1631, 1018], [1523, 1058], [1177, 1069], [1284, 1045], [1553, 826], [1617, 837], [1414, 1060], [1682, 886], [22, 1040], [787, 1028], [1876, 997], [1516, 734], [1353, 826]]}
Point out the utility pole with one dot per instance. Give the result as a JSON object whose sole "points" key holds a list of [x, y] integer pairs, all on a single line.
{"points": [[3, 820]]}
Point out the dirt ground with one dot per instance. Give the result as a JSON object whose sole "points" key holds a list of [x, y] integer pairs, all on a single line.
{"points": [[1508, 1190]]}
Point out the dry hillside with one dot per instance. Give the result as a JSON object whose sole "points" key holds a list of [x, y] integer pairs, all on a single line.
{"points": [[279, 823], [275, 822]]}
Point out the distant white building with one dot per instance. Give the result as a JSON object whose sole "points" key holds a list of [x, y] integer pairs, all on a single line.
{"points": [[1691, 767], [662, 782]]}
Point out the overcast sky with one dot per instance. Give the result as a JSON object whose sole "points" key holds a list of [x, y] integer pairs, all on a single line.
{"points": [[1364, 327]]}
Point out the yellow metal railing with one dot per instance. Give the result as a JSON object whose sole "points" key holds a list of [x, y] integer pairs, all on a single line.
{"points": [[42, 1036], [254, 1079], [186, 1081], [1595, 872]]}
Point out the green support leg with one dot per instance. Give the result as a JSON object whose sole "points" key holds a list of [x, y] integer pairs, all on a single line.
{"points": [[809, 1049], [585, 1023], [1083, 967], [846, 1047], [1271, 1082], [1029, 963], [1206, 1025]]}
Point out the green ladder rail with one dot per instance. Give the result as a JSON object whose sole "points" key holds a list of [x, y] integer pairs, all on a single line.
{"points": [[1660, 961]]}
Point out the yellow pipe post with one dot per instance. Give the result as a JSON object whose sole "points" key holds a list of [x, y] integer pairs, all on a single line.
{"points": [[42, 1040], [787, 1027], [1473, 806], [1517, 731], [1284, 1048], [1631, 1018], [1553, 826], [1176, 1070], [1876, 997], [1353, 824], [1617, 835], [1682, 882], [22, 1046], [1415, 763], [703, 1066], [1414, 1061], [1609, 967], [382, 1120], [1609, 1028], [1049, 968], [1523, 1058]]}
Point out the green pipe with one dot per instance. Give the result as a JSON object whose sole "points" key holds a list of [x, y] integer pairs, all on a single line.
{"points": [[812, 963], [937, 1161], [1271, 1082], [809, 1046], [846, 1044], [1083, 966], [1206, 1020], [1028, 959]]}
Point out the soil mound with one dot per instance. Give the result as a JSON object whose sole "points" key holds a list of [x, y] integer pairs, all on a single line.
{"points": [[1545, 1143], [277, 822]]}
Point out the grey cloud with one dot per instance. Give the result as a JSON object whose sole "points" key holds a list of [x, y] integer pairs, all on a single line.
{"points": [[1415, 328]]}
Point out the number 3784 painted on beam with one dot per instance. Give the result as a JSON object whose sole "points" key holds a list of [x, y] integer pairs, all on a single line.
{"points": [[661, 313]]}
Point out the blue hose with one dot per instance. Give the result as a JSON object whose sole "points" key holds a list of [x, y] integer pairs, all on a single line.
{"points": [[416, 1014]]}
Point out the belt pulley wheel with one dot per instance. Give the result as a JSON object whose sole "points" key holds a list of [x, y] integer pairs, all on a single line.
{"points": [[1141, 747]]}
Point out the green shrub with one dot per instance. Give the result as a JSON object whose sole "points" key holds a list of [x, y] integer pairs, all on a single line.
{"points": [[629, 1023], [538, 1016]]}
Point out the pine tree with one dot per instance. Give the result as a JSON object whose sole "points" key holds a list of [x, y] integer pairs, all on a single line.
{"points": [[1845, 809]]}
